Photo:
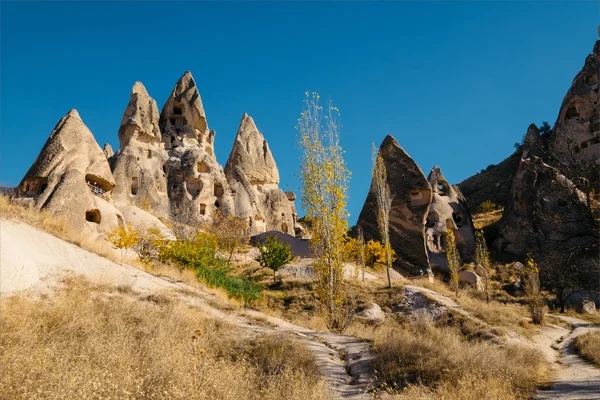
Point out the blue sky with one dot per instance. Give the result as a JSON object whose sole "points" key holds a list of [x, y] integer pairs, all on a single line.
{"points": [[457, 83]]}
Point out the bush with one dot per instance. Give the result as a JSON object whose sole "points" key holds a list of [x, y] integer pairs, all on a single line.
{"points": [[375, 254], [200, 255], [123, 237], [487, 206], [274, 254]]}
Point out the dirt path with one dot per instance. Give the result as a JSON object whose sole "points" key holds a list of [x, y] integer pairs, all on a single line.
{"points": [[35, 261], [574, 378]]}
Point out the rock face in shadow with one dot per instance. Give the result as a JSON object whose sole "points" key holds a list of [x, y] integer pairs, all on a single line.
{"points": [[412, 195], [71, 178], [253, 178], [139, 167], [546, 213], [448, 210], [196, 182]]}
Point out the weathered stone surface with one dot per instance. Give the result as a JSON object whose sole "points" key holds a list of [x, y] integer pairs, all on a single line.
{"points": [[579, 116], [412, 195], [372, 314], [140, 164], [108, 150], [471, 279], [253, 178], [196, 182], [447, 211], [588, 306], [71, 178]]}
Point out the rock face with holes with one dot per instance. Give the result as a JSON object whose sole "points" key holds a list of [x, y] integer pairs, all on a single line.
{"points": [[577, 129], [423, 209], [412, 195], [140, 164], [197, 186], [253, 178], [448, 210], [71, 178]]}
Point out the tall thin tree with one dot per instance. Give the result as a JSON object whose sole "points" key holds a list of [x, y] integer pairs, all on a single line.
{"points": [[384, 206], [325, 179]]}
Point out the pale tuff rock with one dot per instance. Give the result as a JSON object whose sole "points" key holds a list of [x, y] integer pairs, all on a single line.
{"points": [[71, 178], [448, 210], [108, 150], [139, 167], [411, 197], [196, 182], [253, 178]]}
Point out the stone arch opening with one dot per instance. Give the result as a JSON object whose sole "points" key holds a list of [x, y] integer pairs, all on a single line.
{"points": [[203, 168], [134, 185], [93, 216], [98, 182], [443, 188]]}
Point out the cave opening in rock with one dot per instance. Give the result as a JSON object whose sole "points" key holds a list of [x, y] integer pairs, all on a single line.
{"points": [[134, 185], [93, 216], [218, 190], [178, 109]]}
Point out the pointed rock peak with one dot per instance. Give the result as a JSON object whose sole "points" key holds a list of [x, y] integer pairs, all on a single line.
{"points": [[139, 88], [438, 181], [73, 113], [184, 83], [247, 125]]}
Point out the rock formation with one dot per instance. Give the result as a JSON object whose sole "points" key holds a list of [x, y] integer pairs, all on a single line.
{"points": [[253, 178], [140, 164], [411, 197], [71, 178], [447, 211], [196, 182], [577, 128], [545, 209], [575, 136]]}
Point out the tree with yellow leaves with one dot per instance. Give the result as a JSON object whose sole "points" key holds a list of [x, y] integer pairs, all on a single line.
{"points": [[453, 258], [384, 206], [482, 258], [123, 238], [325, 179]]}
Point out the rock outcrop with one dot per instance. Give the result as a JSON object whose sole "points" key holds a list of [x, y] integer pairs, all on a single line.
{"points": [[253, 178], [411, 197], [71, 178], [448, 210], [577, 128], [196, 182], [139, 167]]}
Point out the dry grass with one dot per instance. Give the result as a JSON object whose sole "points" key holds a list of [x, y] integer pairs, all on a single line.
{"points": [[483, 220], [588, 346], [89, 342], [423, 361]]}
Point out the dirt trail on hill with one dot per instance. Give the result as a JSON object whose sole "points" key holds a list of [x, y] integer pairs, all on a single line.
{"points": [[575, 378], [34, 261]]}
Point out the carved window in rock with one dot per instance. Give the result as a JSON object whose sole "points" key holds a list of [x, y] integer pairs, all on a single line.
{"points": [[203, 168], [35, 186], [284, 227], [571, 113], [134, 185], [194, 186], [149, 153], [419, 198], [93, 216], [458, 218], [432, 219], [217, 204], [178, 109], [202, 209], [218, 190]]}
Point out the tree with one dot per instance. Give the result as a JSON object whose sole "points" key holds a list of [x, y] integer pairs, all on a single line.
{"points": [[274, 255], [482, 259], [123, 238], [231, 232], [374, 253], [532, 290], [324, 178], [384, 206], [453, 258]]}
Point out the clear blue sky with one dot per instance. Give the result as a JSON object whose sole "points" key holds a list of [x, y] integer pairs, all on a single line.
{"points": [[457, 83]]}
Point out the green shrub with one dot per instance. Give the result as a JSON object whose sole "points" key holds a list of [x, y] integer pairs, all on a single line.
{"points": [[274, 255], [201, 256]]}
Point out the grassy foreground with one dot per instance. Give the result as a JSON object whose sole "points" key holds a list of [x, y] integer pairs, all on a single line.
{"points": [[97, 342]]}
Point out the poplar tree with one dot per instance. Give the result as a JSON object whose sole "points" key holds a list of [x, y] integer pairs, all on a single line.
{"points": [[384, 206]]}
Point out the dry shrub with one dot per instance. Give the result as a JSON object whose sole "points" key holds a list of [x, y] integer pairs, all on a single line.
{"points": [[467, 388], [440, 361], [588, 346], [87, 342]]}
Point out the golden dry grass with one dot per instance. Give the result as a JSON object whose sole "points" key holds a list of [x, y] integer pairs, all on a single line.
{"points": [[95, 342], [483, 220], [422, 361], [588, 346]]}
